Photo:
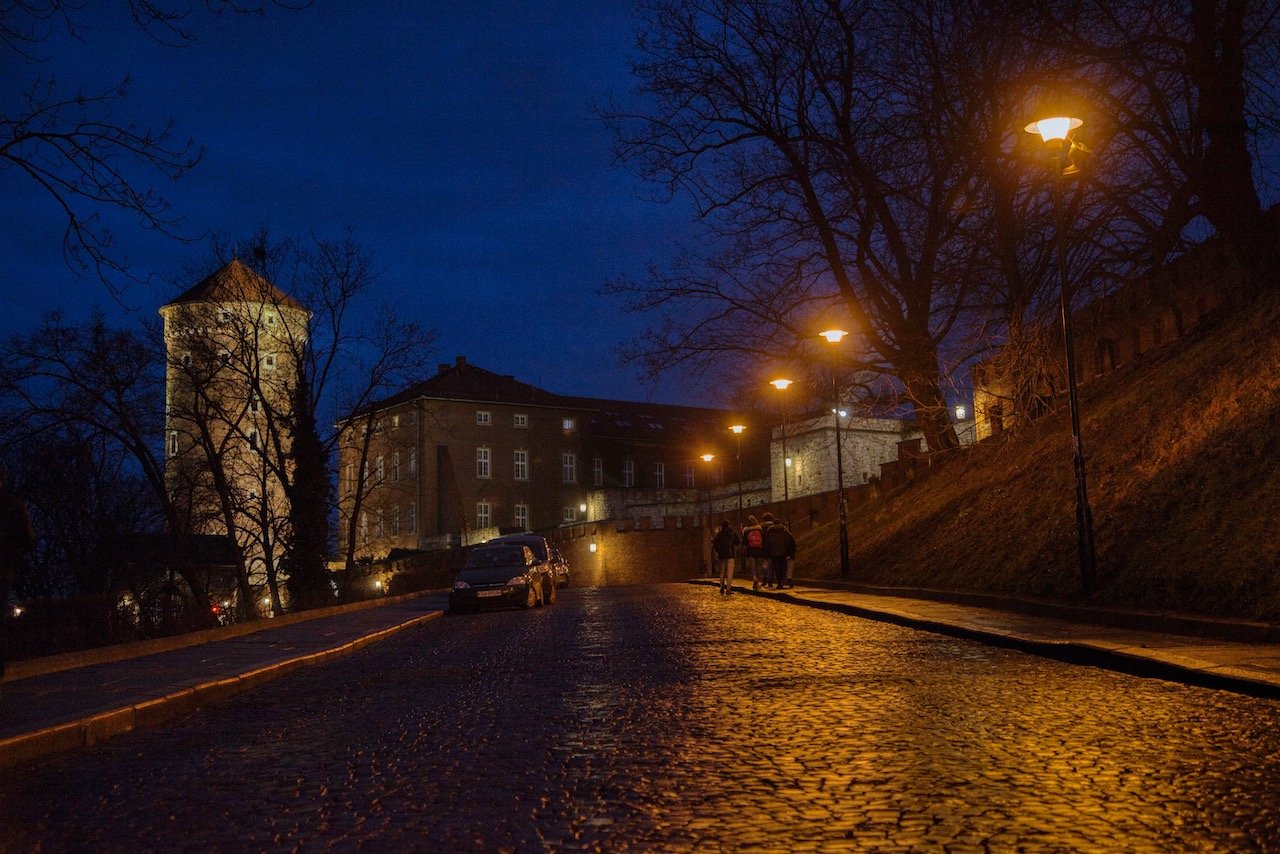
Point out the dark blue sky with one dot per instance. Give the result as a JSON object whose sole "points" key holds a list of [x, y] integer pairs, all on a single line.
{"points": [[459, 142]]}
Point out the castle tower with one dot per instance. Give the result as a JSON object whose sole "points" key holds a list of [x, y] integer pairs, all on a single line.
{"points": [[233, 344]]}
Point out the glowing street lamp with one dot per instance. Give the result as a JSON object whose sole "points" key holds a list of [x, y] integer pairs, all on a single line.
{"points": [[781, 384], [737, 429], [834, 337], [1056, 133]]}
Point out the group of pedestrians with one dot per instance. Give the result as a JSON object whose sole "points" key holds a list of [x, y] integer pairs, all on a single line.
{"points": [[766, 548]]}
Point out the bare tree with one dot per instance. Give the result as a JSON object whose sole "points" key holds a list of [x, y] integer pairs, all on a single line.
{"points": [[76, 144]]}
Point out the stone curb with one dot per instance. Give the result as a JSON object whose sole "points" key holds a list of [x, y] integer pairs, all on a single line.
{"points": [[95, 728], [1121, 659], [26, 668]]}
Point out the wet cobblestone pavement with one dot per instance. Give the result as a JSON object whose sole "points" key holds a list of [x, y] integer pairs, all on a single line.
{"points": [[667, 719]]}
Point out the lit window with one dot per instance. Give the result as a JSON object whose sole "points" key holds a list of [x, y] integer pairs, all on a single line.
{"points": [[522, 516], [522, 465], [395, 420], [482, 462], [482, 514], [413, 461], [395, 466], [483, 417], [173, 442], [569, 468], [659, 475], [628, 473], [521, 420], [570, 514], [380, 467], [597, 471], [570, 425]]}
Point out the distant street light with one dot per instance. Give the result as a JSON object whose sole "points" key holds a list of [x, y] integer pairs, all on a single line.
{"points": [[1055, 132], [781, 384], [834, 337], [711, 562], [737, 432]]}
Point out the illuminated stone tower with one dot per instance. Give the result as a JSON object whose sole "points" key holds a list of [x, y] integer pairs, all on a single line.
{"points": [[232, 344]]}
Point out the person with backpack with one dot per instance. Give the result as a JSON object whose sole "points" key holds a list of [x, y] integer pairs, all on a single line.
{"points": [[780, 546], [753, 550], [723, 545]]}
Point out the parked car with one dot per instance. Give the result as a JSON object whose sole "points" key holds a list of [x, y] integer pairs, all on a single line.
{"points": [[561, 567], [501, 576], [542, 550]]}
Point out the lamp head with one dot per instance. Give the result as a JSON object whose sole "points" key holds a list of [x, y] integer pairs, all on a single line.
{"points": [[780, 384], [706, 458], [738, 428], [833, 336], [1054, 129]]}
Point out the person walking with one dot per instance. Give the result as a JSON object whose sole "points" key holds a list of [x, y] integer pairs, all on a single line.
{"points": [[779, 545], [724, 544], [16, 539], [753, 550]]}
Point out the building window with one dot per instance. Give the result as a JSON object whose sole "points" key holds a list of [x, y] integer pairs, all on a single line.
{"points": [[381, 468], [271, 319], [254, 402], [521, 420], [395, 520], [659, 475], [522, 517], [798, 465], [173, 443], [569, 468], [395, 420], [522, 465], [224, 316], [597, 471], [482, 462], [413, 461], [484, 417], [382, 531], [570, 514], [364, 527], [395, 465], [253, 438], [482, 514], [413, 517], [689, 481], [269, 361], [628, 473], [570, 425], [186, 360], [224, 357], [351, 477]]}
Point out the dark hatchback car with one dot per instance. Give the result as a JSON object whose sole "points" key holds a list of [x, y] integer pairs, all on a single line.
{"points": [[557, 567], [501, 576]]}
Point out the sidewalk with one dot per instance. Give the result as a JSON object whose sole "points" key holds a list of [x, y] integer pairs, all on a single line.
{"points": [[1233, 656], [76, 706]]}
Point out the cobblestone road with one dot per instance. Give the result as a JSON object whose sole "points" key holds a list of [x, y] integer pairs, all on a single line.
{"points": [[669, 719]]}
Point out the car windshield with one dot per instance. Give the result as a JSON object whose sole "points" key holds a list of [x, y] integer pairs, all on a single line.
{"points": [[492, 557], [537, 545]]}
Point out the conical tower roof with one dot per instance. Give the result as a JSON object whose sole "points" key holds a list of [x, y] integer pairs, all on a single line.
{"points": [[234, 282]]}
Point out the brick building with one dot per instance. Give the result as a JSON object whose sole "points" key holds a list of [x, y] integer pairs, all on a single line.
{"points": [[460, 456]]}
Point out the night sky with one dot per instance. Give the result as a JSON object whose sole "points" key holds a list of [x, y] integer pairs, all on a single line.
{"points": [[459, 142]]}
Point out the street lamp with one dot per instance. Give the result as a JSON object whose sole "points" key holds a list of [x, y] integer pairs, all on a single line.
{"points": [[781, 384], [1056, 134], [737, 432], [711, 563], [834, 337]]}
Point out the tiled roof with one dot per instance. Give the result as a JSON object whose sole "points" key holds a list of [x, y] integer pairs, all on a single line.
{"points": [[462, 381], [234, 282]]}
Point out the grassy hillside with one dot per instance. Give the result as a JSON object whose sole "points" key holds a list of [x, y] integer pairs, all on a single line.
{"points": [[1183, 456]]}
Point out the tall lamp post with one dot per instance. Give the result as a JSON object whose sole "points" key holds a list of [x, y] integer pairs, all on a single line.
{"points": [[711, 562], [1056, 134], [737, 432], [781, 385], [834, 336]]}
